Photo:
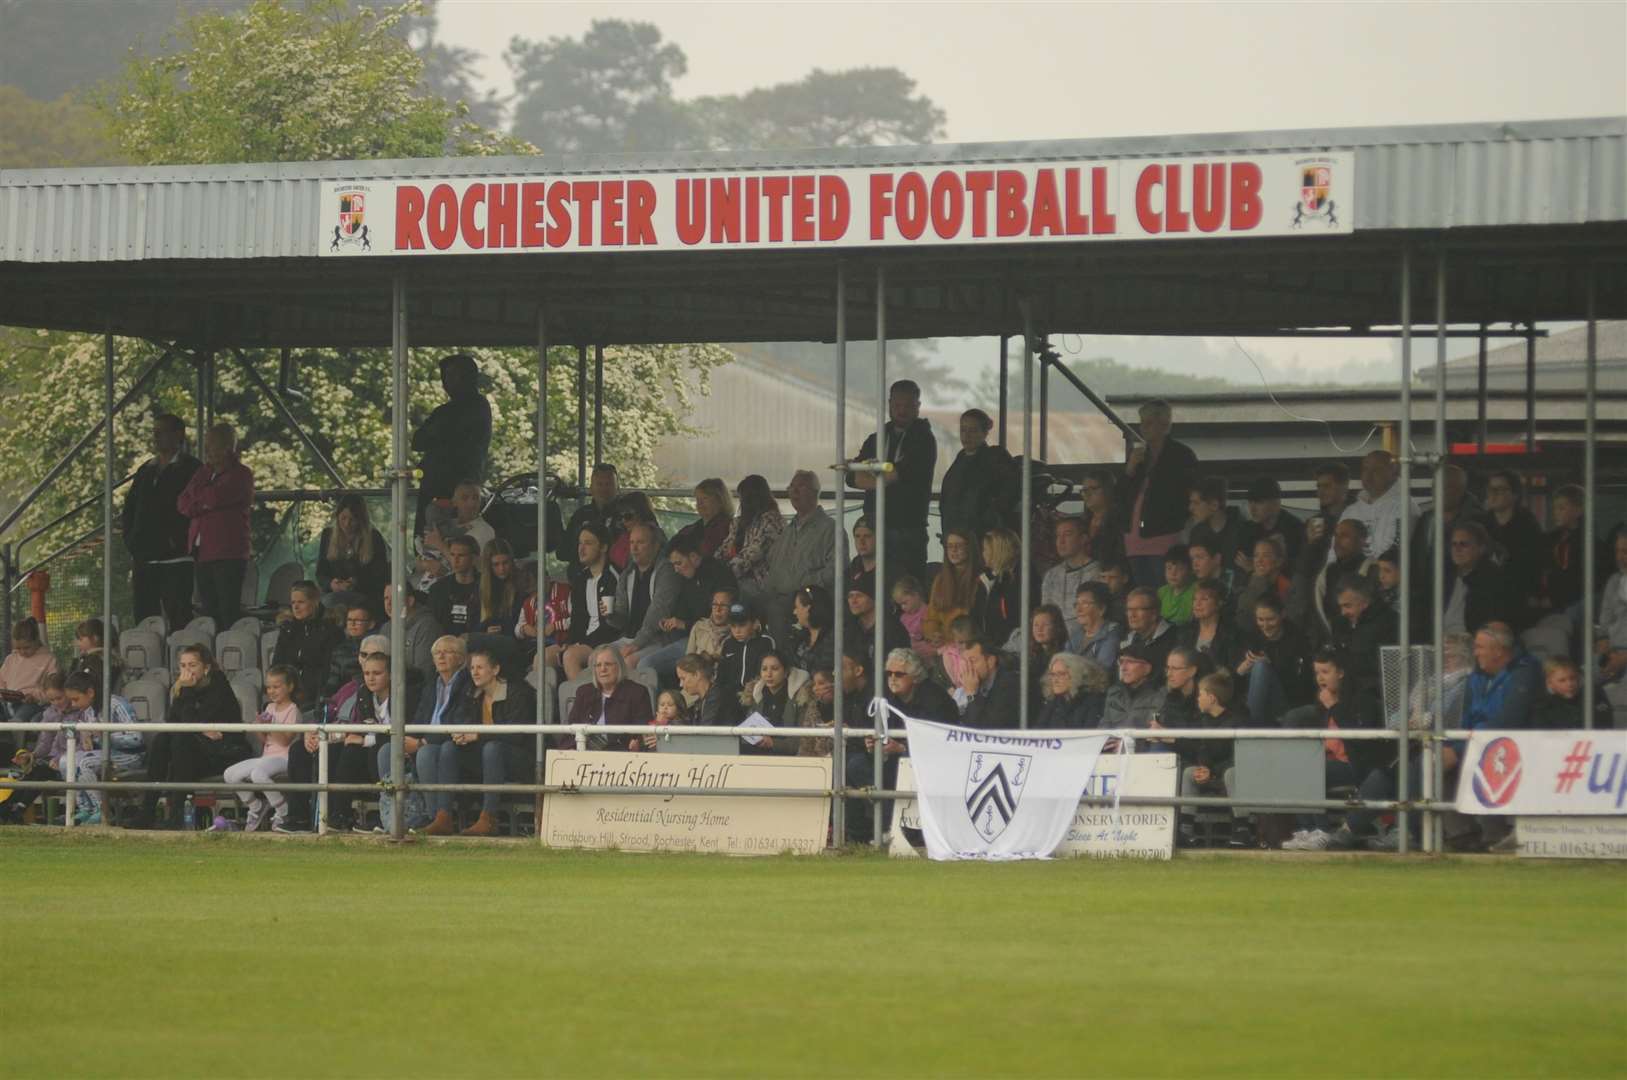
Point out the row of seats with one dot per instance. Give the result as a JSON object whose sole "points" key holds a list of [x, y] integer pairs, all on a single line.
{"points": [[237, 649]]}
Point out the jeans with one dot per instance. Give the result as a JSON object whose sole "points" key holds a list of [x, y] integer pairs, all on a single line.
{"points": [[1382, 784], [1266, 700], [414, 801], [439, 763], [663, 660]]}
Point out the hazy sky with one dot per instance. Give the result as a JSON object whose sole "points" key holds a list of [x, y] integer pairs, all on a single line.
{"points": [[1015, 71]]}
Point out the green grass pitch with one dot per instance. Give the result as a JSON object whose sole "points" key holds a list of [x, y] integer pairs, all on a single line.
{"points": [[236, 956]]}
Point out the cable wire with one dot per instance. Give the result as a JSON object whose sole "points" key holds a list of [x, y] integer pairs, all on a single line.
{"points": [[1374, 430]]}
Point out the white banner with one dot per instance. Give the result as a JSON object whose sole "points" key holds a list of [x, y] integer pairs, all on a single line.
{"points": [[997, 795], [1544, 773], [1128, 832], [1571, 837], [1193, 198]]}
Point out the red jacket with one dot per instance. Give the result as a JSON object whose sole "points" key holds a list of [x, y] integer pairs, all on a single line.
{"points": [[217, 505]]}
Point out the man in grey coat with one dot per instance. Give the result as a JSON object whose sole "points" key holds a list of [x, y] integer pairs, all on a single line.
{"points": [[644, 596], [801, 556], [420, 630]]}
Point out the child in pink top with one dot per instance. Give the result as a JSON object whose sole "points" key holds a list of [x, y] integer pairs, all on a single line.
{"points": [[272, 764], [912, 613]]}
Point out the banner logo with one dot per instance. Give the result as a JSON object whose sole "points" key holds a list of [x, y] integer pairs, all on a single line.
{"points": [[1315, 193], [1497, 775], [351, 228], [994, 787]]}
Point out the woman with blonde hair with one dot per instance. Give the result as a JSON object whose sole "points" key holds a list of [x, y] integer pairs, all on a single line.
{"points": [[716, 510], [352, 559], [956, 590], [1000, 603], [500, 596]]}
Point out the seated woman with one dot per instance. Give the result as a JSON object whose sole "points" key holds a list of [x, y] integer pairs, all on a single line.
{"points": [[716, 512], [756, 526], [593, 595], [956, 590], [634, 508], [998, 608], [495, 701], [22, 693], [814, 645], [201, 695], [83, 694], [1098, 638], [352, 561], [90, 651], [437, 759], [1075, 692], [44, 761], [1208, 632], [272, 763], [501, 599], [374, 706], [1273, 664], [1047, 636], [611, 698], [708, 705], [783, 696]]}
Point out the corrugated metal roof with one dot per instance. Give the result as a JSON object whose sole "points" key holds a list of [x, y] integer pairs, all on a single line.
{"points": [[1553, 172]]}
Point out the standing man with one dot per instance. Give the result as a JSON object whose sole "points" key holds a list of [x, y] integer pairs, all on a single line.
{"points": [[1157, 476], [452, 442], [217, 501], [1074, 567], [801, 556], [913, 452], [155, 530]]}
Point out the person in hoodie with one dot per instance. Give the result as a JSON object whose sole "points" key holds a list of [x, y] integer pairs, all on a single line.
{"points": [[154, 528], [862, 613], [216, 502], [743, 650], [420, 628], [1515, 532]]}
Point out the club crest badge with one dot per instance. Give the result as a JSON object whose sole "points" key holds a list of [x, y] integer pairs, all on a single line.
{"points": [[351, 228], [1497, 776], [994, 787], [1316, 203]]}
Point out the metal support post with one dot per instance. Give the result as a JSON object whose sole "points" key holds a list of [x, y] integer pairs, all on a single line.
{"points": [[581, 416], [598, 404], [543, 695], [200, 371], [1025, 565], [878, 680], [1530, 387], [1405, 456], [1480, 395], [1044, 405], [322, 779], [287, 415], [1005, 374], [1435, 839], [70, 773], [398, 555], [8, 571], [107, 550], [838, 765], [1590, 512]]}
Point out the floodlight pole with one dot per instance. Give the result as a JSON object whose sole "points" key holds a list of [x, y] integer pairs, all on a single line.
{"points": [[878, 663], [398, 554], [838, 765], [1401, 766]]}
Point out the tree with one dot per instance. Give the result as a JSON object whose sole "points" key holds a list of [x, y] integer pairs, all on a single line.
{"points": [[266, 85], [610, 91], [50, 134], [859, 107]]}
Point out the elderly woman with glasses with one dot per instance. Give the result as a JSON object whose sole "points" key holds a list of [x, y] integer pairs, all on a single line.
{"points": [[910, 692], [1075, 690], [612, 698]]}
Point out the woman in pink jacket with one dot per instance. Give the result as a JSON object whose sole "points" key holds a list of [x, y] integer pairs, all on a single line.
{"points": [[217, 502]]}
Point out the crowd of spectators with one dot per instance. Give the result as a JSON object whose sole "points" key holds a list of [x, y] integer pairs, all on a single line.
{"points": [[1165, 607]]}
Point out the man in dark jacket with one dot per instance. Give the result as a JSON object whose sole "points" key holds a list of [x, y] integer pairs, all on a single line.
{"points": [[913, 452], [600, 509], [1153, 496], [862, 613], [1364, 627], [452, 442], [1478, 591], [992, 686], [161, 572], [1514, 530], [1268, 518], [305, 642]]}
